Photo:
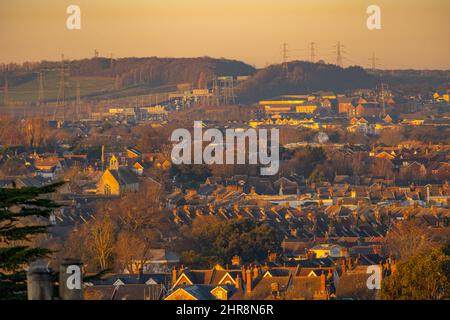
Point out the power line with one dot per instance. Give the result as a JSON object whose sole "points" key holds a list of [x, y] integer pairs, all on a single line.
{"points": [[230, 96], [61, 99], [117, 82], [312, 52], [111, 62], [62, 83], [41, 95], [224, 90], [78, 101], [5, 93], [374, 62], [216, 92], [285, 66], [383, 100], [339, 52]]}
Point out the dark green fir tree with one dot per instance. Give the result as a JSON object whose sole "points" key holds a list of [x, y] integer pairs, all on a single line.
{"points": [[22, 217]]}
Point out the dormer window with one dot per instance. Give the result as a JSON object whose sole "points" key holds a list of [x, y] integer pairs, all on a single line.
{"points": [[118, 282], [150, 281]]}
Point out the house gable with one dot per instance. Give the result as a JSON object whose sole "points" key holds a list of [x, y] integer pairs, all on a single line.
{"points": [[118, 282], [220, 293], [183, 279], [108, 184], [150, 281], [312, 274], [227, 279], [180, 294]]}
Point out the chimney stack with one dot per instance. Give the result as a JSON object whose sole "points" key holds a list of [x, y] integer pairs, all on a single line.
{"points": [[343, 266], [248, 281], [349, 261], [236, 261], [39, 282], [322, 282], [272, 256], [174, 276], [238, 282], [243, 273], [71, 280], [275, 288], [393, 266], [255, 272]]}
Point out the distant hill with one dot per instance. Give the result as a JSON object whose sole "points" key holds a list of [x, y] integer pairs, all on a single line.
{"points": [[415, 81], [303, 77], [104, 78], [155, 71], [126, 76]]}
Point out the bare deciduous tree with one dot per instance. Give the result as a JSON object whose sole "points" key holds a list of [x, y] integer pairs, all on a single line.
{"points": [[101, 240], [407, 238]]}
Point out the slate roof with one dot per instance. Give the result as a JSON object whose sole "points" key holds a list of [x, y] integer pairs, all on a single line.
{"points": [[161, 255], [262, 289], [128, 279], [353, 285], [124, 176], [125, 292], [201, 292], [303, 288]]}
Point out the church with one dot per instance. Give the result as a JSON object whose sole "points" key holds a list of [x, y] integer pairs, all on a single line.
{"points": [[117, 180]]}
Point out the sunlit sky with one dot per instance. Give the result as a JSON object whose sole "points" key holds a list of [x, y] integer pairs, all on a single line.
{"points": [[414, 33]]}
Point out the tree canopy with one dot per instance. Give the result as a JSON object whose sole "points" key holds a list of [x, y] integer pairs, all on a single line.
{"points": [[210, 241], [424, 276]]}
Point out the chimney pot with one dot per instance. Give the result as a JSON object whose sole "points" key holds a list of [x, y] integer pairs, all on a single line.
{"points": [[248, 287]]}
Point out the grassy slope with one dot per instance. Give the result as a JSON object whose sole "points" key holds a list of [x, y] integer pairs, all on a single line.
{"points": [[28, 91]]}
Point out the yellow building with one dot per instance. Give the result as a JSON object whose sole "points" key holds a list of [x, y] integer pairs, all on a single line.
{"points": [[310, 124], [117, 180], [133, 153], [414, 122], [278, 121], [328, 95], [283, 105], [329, 250], [308, 108], [287, 104], [442, 97], [255, 123], [182, 294], [277, 109]]}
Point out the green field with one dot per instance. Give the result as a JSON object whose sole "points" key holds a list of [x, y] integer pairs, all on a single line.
{"points": [[28, 92]]}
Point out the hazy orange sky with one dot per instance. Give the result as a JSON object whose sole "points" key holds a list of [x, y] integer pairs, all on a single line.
{"points": [[414, 33]]}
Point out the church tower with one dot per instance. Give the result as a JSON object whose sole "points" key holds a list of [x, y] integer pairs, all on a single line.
{"points": [[113, 163]]}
